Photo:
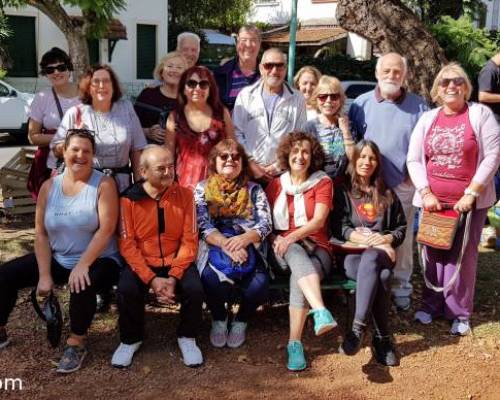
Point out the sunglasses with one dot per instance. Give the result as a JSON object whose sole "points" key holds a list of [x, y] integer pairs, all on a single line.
{"points": [[324, 97], [456, 81], [270, 65], [51, 69], [236, 157], [203, 84], [80, 132]]}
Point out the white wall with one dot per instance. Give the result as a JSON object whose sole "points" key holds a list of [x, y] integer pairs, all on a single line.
{"points": [[492, 14], [154, 12]]}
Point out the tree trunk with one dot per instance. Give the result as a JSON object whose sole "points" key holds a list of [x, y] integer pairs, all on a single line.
{"points": [[392, 27], [73, 30]]}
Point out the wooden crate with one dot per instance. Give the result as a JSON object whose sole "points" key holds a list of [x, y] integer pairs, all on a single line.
{"points": [[13, 180]]}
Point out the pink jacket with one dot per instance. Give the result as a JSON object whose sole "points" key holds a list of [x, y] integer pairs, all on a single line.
{"points": [[487, 132]]}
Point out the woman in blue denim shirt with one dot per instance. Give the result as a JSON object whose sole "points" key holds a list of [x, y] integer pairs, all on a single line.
{"points": [[228, 202]]}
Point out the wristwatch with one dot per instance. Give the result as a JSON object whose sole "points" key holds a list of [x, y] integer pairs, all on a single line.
{"points": [[471, 192]]}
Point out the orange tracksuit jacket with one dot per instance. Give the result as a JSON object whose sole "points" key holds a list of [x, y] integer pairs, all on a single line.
{"points": [[158, 233]]}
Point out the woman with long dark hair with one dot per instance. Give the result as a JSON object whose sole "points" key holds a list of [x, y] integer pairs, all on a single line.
{"points": [[198, 124], [370, 217]]}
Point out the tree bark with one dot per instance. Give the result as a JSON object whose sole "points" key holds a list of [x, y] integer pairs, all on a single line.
{"points": [[73, 30], [392, 27]]}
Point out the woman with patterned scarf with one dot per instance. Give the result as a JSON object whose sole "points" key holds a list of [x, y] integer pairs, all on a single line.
{"points": [[233, 219], [301, 200]]}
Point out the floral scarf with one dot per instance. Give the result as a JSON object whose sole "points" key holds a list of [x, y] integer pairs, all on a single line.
{"points": [[228, 199]]}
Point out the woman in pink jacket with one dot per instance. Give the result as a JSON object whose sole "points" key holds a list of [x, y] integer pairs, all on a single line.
{"points": [[453, 156]]}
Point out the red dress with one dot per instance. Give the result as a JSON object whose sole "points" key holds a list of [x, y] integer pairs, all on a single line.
{"points": [[192, 149]]}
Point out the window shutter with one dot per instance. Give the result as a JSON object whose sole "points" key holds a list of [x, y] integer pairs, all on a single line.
{"points": [[94, 51], [22, 46], [146, 51]]}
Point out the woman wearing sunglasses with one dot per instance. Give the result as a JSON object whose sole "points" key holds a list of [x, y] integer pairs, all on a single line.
{"points": [[46, 113], [453, 156], [118, 133], [234, 219], [331, 126], [75, 222], [197, 125]]}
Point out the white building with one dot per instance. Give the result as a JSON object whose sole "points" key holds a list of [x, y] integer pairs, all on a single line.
{"points": [[137, 39], [311, 14], [492, 14]]}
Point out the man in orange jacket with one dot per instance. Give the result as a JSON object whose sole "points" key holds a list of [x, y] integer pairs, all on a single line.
{"points": [[158, 240]]}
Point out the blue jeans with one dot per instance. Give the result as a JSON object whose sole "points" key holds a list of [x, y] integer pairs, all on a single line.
{"points": [[254, 291]]}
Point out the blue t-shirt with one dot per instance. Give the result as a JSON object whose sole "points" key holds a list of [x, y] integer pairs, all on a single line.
{"points": [[332, 141], [390, 125]]}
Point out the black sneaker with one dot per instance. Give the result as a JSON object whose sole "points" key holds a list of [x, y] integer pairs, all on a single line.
{"points": [[353, 340], [4, 339], [384, 351]]}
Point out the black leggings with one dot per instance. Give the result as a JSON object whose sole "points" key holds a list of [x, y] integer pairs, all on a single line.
{"points": [[371, 270], [22, 272]]}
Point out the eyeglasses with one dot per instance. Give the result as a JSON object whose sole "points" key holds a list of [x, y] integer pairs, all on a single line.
{"points": [[236, 157], [324, 96], [203, 84], [270, 65], [97, 82], [49, 70], [458, 81]]}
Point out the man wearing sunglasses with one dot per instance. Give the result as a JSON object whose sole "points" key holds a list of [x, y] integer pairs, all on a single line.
{"points": [[266, 111], [387, 116], [239, 71]]}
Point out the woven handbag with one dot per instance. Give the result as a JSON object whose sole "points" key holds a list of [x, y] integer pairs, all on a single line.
{"points": [[437, 229]]}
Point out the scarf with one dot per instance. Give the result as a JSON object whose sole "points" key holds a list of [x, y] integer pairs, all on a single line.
{"points": [[280, 210], [228, 199]]}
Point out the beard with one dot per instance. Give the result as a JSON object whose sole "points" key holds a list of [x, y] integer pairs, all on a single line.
{"points": [[389, 88]]}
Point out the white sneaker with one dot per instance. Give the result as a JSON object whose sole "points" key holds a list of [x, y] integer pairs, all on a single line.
{"points": [[218, 333], [123, 355], [191, 353], [460, 327], [237, 334], [423, 317]]}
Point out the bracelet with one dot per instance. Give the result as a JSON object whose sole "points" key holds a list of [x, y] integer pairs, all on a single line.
{"points": [[471, 192], [426, 194]]}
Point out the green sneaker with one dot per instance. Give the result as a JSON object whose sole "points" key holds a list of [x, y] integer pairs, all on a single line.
{"points": [[323, 321], [296, 359]]}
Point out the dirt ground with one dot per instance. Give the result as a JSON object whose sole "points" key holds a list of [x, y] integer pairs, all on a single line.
{"points": [[434, 365]]}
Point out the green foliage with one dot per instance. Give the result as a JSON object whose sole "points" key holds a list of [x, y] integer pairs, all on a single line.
{"points": [[431, 11], [224, 15], [464, 43], [341, 66]]}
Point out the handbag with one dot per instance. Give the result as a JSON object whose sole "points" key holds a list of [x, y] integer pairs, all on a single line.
{"points": [[50, 312], [437, 229], [219, 260], [39, 172]]}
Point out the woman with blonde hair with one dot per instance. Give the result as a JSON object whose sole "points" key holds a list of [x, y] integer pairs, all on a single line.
{"points": [[305, 80], [155, 103], [331, 126], [453, 156]]}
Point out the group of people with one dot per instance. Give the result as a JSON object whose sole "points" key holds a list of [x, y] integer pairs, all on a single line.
{"points": [[218, 181]]}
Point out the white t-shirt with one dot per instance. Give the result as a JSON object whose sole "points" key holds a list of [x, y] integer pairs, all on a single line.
{"points": [[44, 110]]}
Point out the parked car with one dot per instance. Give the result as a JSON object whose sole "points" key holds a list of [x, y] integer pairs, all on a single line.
{"points": [[353, 89], [14, 110]]}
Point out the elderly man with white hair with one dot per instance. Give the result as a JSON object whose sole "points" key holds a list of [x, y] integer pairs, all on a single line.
{"points": [[387, 116], [188, 44]]}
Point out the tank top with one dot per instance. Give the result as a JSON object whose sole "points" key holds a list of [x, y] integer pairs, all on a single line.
{"points": [[192, 149], [71, 221]]}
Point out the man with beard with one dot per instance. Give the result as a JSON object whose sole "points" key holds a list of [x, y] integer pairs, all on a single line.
{"points": [[159, 241], [387, 116], [266, 111]]}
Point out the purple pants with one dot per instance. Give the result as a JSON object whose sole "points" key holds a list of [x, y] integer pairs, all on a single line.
{"points": [[458, 300]]}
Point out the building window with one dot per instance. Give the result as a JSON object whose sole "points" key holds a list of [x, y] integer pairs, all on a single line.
{"points": [[23, 37], [146, 51]]}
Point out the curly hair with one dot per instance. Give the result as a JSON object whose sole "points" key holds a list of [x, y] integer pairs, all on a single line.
{"points": [[380, 195], [85, 83], [287, 143], [228, 144]]}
